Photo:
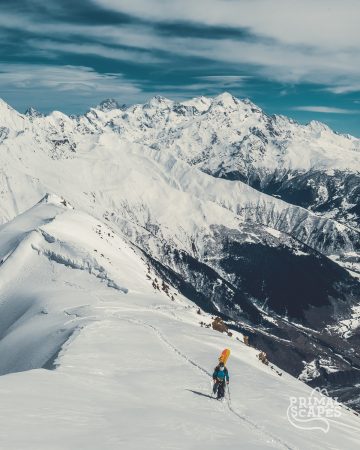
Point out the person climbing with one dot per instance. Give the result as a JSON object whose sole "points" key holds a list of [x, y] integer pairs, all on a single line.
{"points": [[220, 377]]}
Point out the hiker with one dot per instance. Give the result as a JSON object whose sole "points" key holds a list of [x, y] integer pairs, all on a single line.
{"points": [[220, 376]]}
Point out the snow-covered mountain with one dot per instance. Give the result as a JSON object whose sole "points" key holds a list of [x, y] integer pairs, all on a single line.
{"points": [[187, 186], [133, 363], [234, 139]]}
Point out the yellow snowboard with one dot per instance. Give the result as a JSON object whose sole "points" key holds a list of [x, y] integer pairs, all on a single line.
{"points": [[224, 356]]}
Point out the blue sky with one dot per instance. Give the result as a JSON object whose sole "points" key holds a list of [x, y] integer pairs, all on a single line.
{"points": [[292, 57]]}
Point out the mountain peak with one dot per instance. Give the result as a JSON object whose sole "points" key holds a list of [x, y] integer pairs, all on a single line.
{"points": [[159, 101], [226, 99], [317, 126], [32, 112], [108, 104]]}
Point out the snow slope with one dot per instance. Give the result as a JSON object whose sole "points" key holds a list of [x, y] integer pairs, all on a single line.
{"points": [[134, 368]]}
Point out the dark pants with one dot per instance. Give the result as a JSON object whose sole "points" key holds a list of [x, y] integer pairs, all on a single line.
{"points": [[219, 388]]}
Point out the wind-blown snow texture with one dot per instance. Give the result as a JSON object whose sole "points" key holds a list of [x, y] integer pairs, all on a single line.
{"points": [[180, 193]]}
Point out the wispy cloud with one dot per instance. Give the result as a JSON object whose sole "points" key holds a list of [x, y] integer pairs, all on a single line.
{"points": [[316, 42], [62, 78], [62, 87], [293, 47], [99, 50], [325, 23], [324, 109], [344, 88]]}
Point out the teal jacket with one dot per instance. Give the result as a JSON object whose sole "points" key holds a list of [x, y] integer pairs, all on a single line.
{"points": [[220, 375]]}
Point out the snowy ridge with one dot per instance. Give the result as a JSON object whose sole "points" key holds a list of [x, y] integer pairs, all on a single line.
{"points": [[159, 339], [31, 288]]}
